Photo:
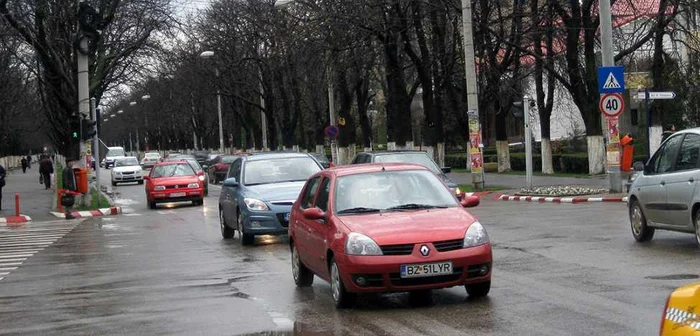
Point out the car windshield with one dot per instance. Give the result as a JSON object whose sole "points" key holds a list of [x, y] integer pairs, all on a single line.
{"points": [[390, 190], [229, 159], [415, 158], [194, 164], [126, 162], [181, 169], [152, 155], [116, 152], [321, 158], [279, 170]]}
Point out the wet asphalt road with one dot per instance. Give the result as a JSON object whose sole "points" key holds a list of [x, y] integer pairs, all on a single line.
{"points": [[560, 269]]}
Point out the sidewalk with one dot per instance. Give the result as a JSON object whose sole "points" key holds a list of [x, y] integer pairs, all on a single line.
{"points": [[518, 181], [35, 201]]}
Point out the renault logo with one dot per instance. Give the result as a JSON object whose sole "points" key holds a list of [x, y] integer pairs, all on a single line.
{"points": [[424, 250]]}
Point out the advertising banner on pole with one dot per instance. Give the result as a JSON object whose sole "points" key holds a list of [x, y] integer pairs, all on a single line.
{"points": [[613, 148], [477, 162]]}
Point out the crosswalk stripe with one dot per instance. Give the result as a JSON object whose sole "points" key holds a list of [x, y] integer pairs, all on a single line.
{"points": [[18, 244]]}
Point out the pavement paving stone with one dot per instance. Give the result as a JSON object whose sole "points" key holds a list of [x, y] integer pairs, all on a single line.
{"points": [[35, 199]]}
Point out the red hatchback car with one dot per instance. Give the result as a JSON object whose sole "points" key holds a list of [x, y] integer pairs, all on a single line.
{"points": [[388, 227], [173, 181]]}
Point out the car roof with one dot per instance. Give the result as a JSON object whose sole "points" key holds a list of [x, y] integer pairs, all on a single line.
{"points": [[366, 168], [275, 155], [126, 157], [398, 151]]}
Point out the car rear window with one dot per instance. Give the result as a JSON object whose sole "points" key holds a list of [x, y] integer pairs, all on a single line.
{"points": [[229, 159], [116, 152], [414, 158], [180, 169]]}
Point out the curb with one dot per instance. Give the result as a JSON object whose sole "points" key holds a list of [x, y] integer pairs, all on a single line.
{"points": [[15, 219], [572, 200], [477, 193], [111, 211]]}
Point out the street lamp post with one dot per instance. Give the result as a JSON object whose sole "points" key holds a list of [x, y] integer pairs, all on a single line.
{"points": [[207, 54], [145, 113]]}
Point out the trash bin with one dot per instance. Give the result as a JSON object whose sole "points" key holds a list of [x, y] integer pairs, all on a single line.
{"points": [[627, 153], [81, 179]]}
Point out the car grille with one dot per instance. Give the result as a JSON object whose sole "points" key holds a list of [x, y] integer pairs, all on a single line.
{"points": [[280, 217], [396, 279], [449, 245], [127, 173], [402, 249], [176, 186]]}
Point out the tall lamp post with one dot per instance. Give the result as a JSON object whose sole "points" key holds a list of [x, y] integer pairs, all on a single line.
{"points": [[208, 54], [145, 113]]}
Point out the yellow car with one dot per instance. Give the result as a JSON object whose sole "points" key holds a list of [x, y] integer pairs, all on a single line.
{"points": [[682, 312]]}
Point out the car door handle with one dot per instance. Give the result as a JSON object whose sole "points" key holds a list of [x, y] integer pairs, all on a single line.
{"points": [[691, 180], [663, 183]]}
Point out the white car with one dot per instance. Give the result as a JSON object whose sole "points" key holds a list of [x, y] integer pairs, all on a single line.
{"points": [[126, 169], [112, 154], [150, 159]]}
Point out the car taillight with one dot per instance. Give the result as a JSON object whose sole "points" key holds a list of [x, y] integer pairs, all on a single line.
{"points": [[221, 167]]}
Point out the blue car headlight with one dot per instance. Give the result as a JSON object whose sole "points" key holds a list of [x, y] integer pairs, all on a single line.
{"points": [[255, 204]]}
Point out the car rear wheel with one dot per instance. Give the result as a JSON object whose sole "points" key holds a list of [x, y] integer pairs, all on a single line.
{"points": [[303, 277], [638, 222], [478, 290], [198, 202], [226, 231], [246, 239], [341, 297]]}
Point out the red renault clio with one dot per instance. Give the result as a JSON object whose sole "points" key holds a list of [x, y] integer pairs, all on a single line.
{"points": [[174, 181], [386, 228]]}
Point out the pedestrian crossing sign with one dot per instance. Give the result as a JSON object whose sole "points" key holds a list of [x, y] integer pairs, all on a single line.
{"points": [[611, 79]]}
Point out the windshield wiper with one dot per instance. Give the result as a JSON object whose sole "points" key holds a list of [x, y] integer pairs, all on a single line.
{"points": [[358, 210], [411, 206]]}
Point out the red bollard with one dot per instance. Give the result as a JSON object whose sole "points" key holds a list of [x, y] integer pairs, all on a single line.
{"points": [[17, 204]]}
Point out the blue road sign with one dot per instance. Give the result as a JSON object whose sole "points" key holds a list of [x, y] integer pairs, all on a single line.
{"points": [[611, 79]]}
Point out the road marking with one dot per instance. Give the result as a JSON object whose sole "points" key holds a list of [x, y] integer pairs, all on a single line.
{"points": [[18, 244]]}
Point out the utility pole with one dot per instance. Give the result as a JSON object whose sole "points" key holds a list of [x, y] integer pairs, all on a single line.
{"points": [[607, 55], [96, 150], [528, 142], [263, 117], [475, 151], [221, 122], [331, 115], [83, 80]]}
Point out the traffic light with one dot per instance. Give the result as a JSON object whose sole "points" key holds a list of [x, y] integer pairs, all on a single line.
{"points": [[88, 129], [74, 129]]}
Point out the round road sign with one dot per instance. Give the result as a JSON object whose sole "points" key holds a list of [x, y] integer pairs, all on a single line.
{"points": [[612, 104], [331, 131]]}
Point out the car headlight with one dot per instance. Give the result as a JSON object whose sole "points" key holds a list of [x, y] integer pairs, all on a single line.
{"points": [[458, 191], [193, 185], [255, 204], [633, 177], [359, 244], [159, 188], [476, 235], [201, 177]]}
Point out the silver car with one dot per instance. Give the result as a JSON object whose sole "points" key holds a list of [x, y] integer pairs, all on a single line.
{"points": [[664, 193]]}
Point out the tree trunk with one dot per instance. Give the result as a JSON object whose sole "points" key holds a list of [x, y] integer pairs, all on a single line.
{"points": [[596, 154], [546, 148], [398, 107], [362, 96], [503, 153]]}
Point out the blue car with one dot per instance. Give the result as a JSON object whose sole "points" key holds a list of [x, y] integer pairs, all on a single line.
{"points": [[259, 191]]}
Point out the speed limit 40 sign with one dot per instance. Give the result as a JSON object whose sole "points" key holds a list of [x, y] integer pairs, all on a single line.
{"points": [[612, 104]]}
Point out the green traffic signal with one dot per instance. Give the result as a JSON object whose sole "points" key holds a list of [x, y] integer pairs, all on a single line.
{"points": [[75, 135]]}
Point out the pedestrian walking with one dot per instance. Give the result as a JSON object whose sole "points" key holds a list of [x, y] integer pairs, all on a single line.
{"points": [[46, 169], [24, 165], [3, 173], [69, 184], [670, 130], [29, 162]]}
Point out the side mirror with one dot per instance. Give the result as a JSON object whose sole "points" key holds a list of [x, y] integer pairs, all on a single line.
{"points": [[313, 214], [638, 166], [470, 201], [331, 165], [446, 170], [200, 173], [146, 177], [326, 165], [205, 167], [230, 182]]}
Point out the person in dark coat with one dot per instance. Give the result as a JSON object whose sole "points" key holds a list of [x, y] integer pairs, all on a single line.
{"points": [[24, 165], [69, 183], [29, 162], [3, 173], [46, 169]]}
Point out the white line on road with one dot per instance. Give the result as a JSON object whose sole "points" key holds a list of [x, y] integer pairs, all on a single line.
{"points": [[10, 264], [27, 240], [11, 260], [22, 255], [4, 273], [2, 269], [26, 244]]}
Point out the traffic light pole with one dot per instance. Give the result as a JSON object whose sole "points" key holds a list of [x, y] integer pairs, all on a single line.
{"points": [[96, 150]]}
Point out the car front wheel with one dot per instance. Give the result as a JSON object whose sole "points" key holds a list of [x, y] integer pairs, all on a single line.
{"points": [[303, 277], [246, 238], [696, 220], [341, 297], [478, 290], [638, 222]]}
